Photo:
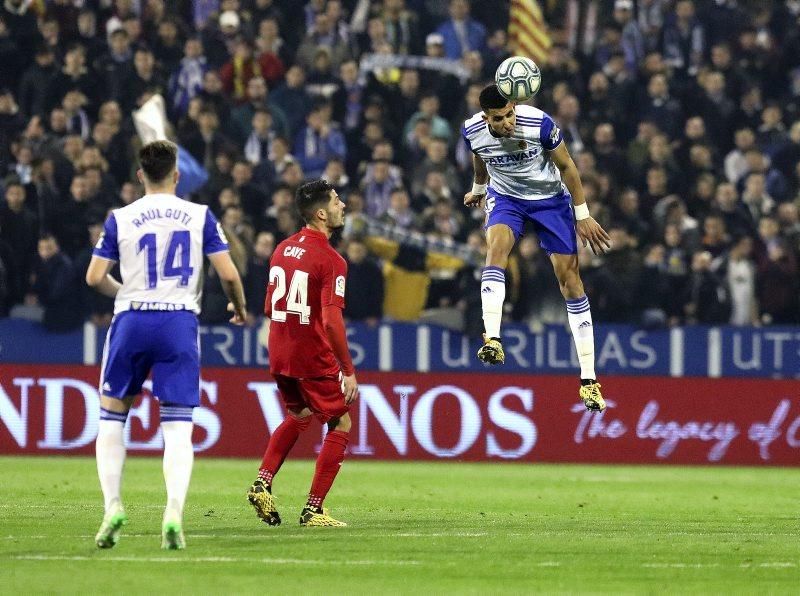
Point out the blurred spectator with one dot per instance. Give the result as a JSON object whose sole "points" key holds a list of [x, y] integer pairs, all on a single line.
{"points": [[738, 219], [187, 80], [33, 86], [319, 141], [683, 40], [18, 230], [460, 32], [735, 162], [292, 98], [377, 187], [707, 297], [435, 161], [323, 34], [777, 276], [257, 99], [271, 49], [363, 272], [208, 140], [632, 39], [238, 71], [257, 280], [429, 106], [347, 99], [661, 108], [56, 288], [402, 27], [399, 213], [741, 278]]}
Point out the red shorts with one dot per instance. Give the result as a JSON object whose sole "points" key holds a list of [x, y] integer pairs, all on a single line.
{"points": [[324, 396]]}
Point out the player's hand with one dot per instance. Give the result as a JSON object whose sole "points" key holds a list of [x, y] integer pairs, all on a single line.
{"points": [[471, 200], [239, 316], [593, 235], [350, 387]]}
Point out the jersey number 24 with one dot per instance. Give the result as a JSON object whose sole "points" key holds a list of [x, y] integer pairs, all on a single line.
{"points": [[296, 299]]}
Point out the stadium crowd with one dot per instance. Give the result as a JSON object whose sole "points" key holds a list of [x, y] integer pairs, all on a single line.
{"points": [[683, 118]]}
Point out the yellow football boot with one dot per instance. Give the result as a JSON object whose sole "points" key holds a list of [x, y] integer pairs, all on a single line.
{"points": [[491, 351], [592, 398], [319, 518]]}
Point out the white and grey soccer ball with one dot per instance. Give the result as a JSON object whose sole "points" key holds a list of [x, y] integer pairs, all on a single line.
{"points": [[518, 78]]}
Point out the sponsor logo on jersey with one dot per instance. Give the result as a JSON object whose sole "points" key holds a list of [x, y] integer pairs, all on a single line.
{"points": [[522, 144], [165, 306], [555, 134], [340, 286], [99, 244], [512, 157]]}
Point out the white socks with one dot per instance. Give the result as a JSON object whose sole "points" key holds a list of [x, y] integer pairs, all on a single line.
{"points": [[493, 293], [110, 453], [178, 460], [580, 322]]}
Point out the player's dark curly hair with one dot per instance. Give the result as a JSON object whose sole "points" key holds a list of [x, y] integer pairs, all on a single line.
{"points": [[490, 99], [312, 196], [158, 160]]}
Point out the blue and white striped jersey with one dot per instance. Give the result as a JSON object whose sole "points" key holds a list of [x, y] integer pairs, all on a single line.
{"points": [[159, 242], [518, 166]]}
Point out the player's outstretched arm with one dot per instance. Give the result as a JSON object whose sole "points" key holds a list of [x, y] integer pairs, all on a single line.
{"points": [[231, 283], [333, 322], [478, 193], [589, 231], [98, 278]]}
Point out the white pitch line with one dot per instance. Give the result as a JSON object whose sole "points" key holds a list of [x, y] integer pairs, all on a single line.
{"points": [[439, 534], [179, 559], [268, 534], [679, 565]]}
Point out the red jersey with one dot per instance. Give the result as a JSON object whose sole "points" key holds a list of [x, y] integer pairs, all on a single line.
{"points": [[305, 274]]}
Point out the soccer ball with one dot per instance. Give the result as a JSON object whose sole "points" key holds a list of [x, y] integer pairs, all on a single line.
{"points": [[518, 78]]}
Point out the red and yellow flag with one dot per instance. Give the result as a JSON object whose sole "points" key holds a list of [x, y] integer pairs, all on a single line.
{"points": [[527, 31]]}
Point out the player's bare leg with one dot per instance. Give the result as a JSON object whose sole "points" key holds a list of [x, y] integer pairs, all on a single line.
{"points": [[329, 461], [580, 323], [110, 453], [176, 426], [500, 241], [280, 443]]}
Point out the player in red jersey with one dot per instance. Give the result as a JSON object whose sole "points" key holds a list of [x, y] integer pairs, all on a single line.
{"points": [[308, 353]]}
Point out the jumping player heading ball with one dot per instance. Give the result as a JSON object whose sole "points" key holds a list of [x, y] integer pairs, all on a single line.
{"points": [[533, 179]]}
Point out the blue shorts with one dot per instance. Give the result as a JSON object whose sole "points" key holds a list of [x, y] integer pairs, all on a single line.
{"points": [[553, 219], [166, 343]]}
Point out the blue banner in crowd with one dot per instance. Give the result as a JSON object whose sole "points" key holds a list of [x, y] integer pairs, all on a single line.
{"points": [[772, 352]]}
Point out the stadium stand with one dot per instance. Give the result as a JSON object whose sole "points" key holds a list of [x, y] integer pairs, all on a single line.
{"points": [[683, 118]]}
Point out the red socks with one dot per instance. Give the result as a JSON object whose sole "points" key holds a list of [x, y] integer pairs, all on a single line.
{"points": [[280, 444], [329, 461]]}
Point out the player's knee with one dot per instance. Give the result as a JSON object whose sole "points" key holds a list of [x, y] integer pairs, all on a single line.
{"points": [[342, 424], [497, 256], [116, 405], [301, 418]]}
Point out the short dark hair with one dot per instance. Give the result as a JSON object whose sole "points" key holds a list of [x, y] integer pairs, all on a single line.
{"points": [[158, 159], [490, 99], [311, 196]]}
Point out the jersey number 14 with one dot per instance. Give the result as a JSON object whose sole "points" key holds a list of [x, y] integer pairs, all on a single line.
{"points": [[176, 263], [296, 299]]}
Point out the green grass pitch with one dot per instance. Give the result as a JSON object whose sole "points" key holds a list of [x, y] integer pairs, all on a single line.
{"points": [[414, 527]]}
